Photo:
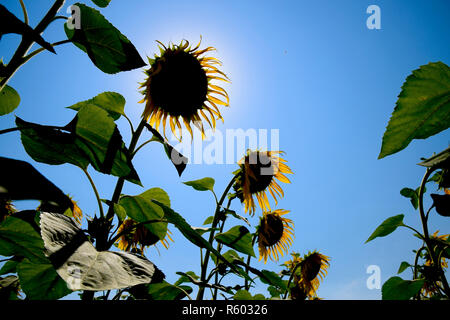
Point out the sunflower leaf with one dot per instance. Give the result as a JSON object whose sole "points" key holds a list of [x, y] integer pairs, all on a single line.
{"points": [[403, 266], [9, 100], [387, 227], [140, 208], [204, 184], [111, 102], [238, 238], [395, 288], [105, 45], [21, 181], [101, 3], [422, 108]]}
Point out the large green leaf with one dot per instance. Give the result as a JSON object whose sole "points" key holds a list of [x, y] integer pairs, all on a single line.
{"points": [[395, 288], [245, 295], [440, 160], [20, 181], [238, 238], [422, 109], [101, 141], [9, 100], [50, 145], [111, 102], [140, 208], [105, 45], [387, 227], [204, 184], [19, 238], [40, 281], [167, 291]]}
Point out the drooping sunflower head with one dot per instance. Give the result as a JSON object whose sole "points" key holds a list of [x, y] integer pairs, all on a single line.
{"points": [[275, 234], [136, 237], [313, 269], [257, 174], [179, 88]]}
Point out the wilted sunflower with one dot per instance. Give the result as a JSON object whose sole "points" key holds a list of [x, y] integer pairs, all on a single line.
{"points": [[178, 87], [138, 238], [275, 234], [309, 271], [256, 174], [313, 269]]}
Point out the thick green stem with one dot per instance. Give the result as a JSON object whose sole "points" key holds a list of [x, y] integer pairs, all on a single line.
{"points": [[428, 242], [201, 289], [97, 196]]}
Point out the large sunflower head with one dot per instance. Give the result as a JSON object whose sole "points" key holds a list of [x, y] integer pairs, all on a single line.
{"points": [[136, 237], [257, 173], [275, 234], [179, 88]]}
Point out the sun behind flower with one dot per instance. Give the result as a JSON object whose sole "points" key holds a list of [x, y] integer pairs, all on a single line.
{"points": [[179, 88]]}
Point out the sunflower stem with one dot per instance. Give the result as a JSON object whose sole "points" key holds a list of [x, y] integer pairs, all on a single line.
{"points": [[97, 196], [424, 220], [247, 285], [204, 266]]}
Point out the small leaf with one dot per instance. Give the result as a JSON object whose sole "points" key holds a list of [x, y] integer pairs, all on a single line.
{"points": [[111, 102], [403, 266], [9, 100], [422, 108], [107, 48], [209, 220], [412, 195], [387, 227], [204, 184], [237, 216], [184, 277], [245, 295], [238, 238], [40, 281], [395, 288], [167, 291]]}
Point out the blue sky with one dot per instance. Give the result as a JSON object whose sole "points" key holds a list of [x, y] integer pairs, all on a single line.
{"points": [[311, 69]]}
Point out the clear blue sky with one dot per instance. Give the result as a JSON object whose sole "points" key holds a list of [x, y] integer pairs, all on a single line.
{"points": [[311, 69]]}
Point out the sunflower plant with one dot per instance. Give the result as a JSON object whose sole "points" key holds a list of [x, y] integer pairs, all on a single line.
{"points": [[421, 111], [56, 249]]}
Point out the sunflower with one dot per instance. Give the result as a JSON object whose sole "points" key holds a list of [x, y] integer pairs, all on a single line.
{"points": [[76, 211], [274, 234], [256, 174], [138, 237], [179, 87], [309, 271]]}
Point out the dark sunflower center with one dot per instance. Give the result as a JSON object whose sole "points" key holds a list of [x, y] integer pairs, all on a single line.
{"points": [[261, 166], [311, 267], [271, 230], [145, 237], [181, 85]]}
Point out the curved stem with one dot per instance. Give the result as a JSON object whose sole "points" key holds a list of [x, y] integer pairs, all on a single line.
{"points": [[204, 267], [130, 123], [290, 279], [99, 202], [35, 52], [17, 129], [424, 219], [142, 145], [25, 13], [247, 286]]}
